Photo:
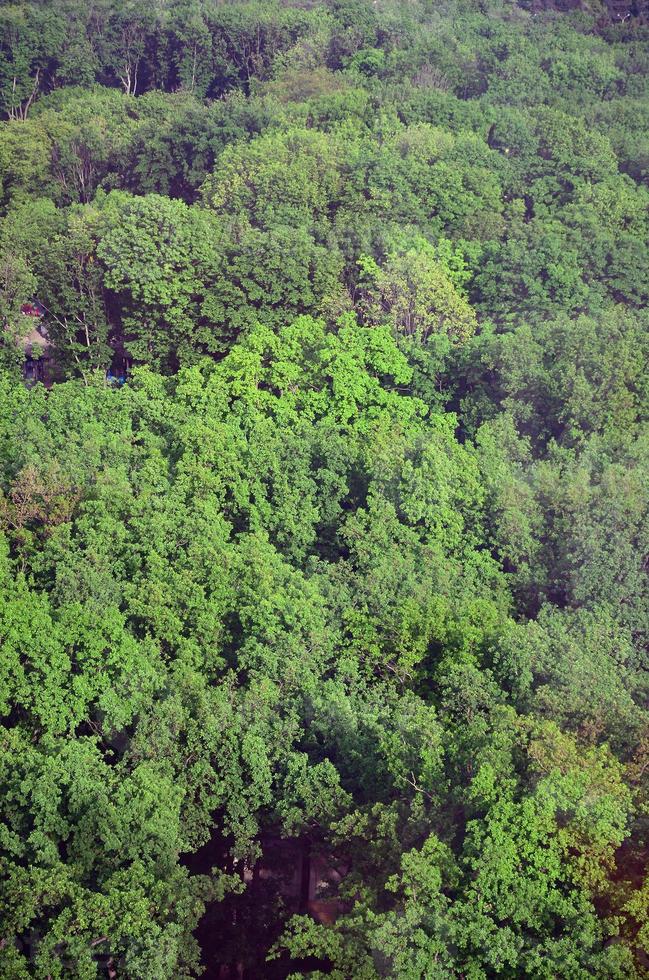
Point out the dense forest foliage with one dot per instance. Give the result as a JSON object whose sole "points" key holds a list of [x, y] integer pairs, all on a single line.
{"points": [[329, 526]]}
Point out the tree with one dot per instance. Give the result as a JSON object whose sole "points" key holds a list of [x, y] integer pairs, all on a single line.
{"points": [[161, 259], [417, 298]]}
